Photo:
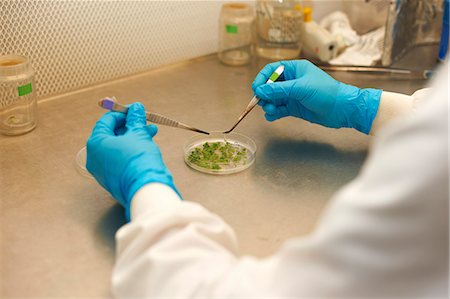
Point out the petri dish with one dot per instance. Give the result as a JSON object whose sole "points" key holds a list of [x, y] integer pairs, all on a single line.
{"points": [[80, 163], [242, 157]]}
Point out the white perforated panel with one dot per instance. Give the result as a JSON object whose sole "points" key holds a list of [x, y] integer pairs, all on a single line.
{"points": [[73, 44]]}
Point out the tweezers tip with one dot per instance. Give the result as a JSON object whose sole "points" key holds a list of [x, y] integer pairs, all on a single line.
{"points": [[200, 131]]}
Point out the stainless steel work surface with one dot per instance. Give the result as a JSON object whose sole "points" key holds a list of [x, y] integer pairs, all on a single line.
{"points": [[57, 227]]}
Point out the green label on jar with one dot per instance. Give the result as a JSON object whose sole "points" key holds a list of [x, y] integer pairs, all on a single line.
{"points": [[233, 29], [24, 89]]}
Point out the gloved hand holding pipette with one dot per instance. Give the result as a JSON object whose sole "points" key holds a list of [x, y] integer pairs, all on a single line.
{"points": [[309, 93]]}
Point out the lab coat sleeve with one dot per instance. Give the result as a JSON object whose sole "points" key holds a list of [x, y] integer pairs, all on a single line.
{"points": [[383, 235], [171, 247], [393, 105]]}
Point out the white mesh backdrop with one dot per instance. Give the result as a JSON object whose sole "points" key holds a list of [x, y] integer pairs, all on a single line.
{"points": [[73, 44]]}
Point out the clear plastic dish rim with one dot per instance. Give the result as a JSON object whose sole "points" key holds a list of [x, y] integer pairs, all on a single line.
{"points": [[80, 163]]}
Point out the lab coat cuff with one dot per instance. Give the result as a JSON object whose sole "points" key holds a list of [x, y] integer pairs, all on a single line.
{"points": [[392, 105], [154, 197]]}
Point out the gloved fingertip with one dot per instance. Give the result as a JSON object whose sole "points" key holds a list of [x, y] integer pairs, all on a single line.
{"points": [[152, 129], [117, 115], [270, 117], [136, 116], [269, 108], [260, 93], [136, 108], [267, 92], [262, 103]]}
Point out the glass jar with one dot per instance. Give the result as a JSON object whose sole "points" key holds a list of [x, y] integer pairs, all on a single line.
{"points": [[278, 25], [18, 107], [236, 33]]}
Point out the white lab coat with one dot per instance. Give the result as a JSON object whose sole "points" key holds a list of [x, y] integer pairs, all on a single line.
{"points": [[385, 234]]}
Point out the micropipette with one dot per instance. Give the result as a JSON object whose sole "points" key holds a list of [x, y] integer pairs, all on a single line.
{"points": [[254, 101], [111, 104]]}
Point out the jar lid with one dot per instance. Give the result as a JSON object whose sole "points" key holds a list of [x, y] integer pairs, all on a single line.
{"points": [[238, 9], [13, 65]]}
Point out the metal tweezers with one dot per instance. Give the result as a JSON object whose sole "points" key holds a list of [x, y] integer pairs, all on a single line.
{"points": [[111, 104]]}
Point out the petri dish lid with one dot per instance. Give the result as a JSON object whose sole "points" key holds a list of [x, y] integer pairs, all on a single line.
{"points": [[238, 141], [80, 163]]}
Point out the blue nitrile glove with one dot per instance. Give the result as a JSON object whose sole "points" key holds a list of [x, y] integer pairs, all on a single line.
{"points": [[307, 92], [122, 156]]}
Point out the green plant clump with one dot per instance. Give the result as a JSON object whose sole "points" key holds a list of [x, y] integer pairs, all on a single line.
{"points": [[216, 155]]}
